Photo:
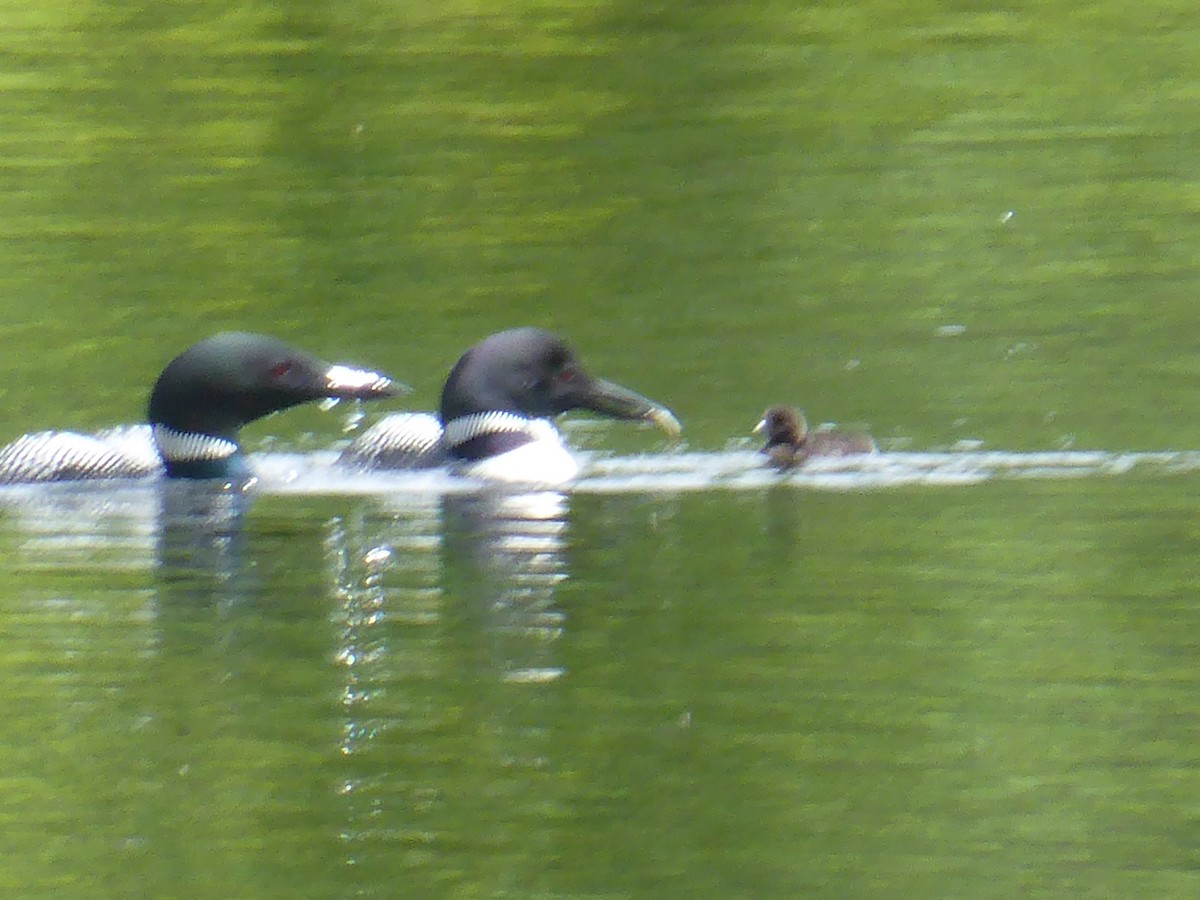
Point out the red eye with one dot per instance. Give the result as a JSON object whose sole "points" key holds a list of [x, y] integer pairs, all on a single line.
{"points": [[564, 375], [280, 369]]}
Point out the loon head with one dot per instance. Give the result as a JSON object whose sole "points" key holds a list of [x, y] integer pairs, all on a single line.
{"points": [[492, 422], [210, 390], [531, 373], [786, 431], [790, 443], [783, 425]]}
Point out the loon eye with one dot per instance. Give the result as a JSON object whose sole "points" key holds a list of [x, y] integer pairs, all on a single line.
{"points": [[280, 369], [565, 374]]}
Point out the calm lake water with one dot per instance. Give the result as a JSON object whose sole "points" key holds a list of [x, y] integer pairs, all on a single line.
{"points": [[966, 228]]}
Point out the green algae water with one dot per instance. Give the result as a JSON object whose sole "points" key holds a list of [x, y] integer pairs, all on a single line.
{"points": [[958, 226]]}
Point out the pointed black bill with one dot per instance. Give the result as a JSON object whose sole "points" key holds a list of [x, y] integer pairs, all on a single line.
{"points": [[611, 399]]}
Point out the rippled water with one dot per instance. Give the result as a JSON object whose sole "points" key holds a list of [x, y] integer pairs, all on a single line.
{"points": [[965, 667], [284, 473], [940, 674]]}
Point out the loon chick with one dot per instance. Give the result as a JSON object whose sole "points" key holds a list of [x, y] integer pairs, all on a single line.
{"points": [[790, 443], [198, 404], [493, 421]]}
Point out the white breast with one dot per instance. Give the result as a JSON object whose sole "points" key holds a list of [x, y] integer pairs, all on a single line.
{"points": [[543, 461]]}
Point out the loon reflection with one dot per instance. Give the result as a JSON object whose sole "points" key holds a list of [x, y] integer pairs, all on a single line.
{"points": [[201, 550], [187, 533], [488, 562], [418, 613], [448, 611]]}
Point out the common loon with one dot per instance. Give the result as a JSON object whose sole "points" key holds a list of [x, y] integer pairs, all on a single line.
{"points": [[198, 404], [493, 421], [790, 443]]}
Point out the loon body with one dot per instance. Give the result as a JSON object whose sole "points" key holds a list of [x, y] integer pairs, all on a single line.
{"points": [[790, 443], [496, 407], [197, 406]]}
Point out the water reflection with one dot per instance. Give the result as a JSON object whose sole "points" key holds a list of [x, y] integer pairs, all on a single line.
{"points": [[449, 621], [201, 543], [82, 525], [451, 690], [504, 560], [171, 526], [146, 635], [167, 559]]}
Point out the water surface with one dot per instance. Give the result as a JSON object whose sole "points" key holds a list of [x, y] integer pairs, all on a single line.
{"points": [[965, 668]]}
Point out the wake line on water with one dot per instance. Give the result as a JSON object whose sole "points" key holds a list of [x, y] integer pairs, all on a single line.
{"points": [[283, 473], [317, 474], [67, 522]]}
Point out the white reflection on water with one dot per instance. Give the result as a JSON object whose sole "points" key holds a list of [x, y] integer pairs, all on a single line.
{"points": [[424, 563], [735, 470], [443, 596], [123, 523], [124, 520]]}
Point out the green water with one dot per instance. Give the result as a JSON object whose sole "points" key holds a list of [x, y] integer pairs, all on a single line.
{"points": [[941, 221], [981, 692]]}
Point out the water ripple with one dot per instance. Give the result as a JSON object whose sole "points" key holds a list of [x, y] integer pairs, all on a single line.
{"points": [[741, 470]]}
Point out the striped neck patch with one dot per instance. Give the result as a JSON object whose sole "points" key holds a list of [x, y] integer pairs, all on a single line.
{"points": [[185, 446], [465, 428]]}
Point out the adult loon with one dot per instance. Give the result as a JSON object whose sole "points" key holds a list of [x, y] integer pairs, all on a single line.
{"points": [[198, 404], [493, 421], [790, 443]]}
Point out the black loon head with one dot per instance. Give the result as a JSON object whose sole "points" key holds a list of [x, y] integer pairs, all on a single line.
{"points": [[210, 390], [528, 373]]}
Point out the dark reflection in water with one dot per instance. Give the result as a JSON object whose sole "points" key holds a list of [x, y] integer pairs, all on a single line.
{"points": [[162, 645], [201, 543], [783, 513]]}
